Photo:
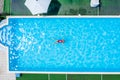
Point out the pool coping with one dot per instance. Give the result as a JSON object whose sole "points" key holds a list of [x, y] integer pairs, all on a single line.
{"points": [[33, 72], [70, 16], [36, 72]]}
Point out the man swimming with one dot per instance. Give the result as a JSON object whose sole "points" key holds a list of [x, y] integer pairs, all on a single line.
{"points": [[60, 41]]}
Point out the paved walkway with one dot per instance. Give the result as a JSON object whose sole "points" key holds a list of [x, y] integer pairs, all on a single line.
{"points": [[4, 74], [1, 5]]}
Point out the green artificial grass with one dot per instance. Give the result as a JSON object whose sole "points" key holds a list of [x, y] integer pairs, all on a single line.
{"points": [[111, 77], [66, 7], [57, 7], [75, 7], [84, 77], [18, 8], [33, 77], [69, 77], [57, 77], [7, 6], [110, 7]]}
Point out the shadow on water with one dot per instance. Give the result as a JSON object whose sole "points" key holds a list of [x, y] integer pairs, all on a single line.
{"points": [[54, 7]]}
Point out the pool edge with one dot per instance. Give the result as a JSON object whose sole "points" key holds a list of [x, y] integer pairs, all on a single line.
{"points": [[63, 17]]}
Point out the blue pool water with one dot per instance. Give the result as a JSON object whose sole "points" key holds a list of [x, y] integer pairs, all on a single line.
{"points": [[91, 44]]}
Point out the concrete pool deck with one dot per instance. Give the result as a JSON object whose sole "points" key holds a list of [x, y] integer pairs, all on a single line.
{"points": [[4, 74]]}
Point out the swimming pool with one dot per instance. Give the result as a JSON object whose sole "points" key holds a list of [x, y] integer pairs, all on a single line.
{"points": [[92, 44]]}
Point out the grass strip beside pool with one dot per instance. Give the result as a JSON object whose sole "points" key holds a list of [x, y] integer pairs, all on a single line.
{"points": [[33, 77], [57, 77], [84, 77], [7, 6]]}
